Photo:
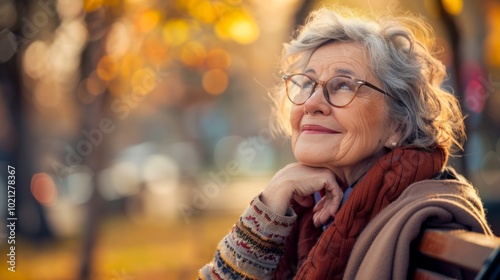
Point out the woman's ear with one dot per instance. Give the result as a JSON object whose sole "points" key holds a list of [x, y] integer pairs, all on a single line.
{"points": [[393, 140]]}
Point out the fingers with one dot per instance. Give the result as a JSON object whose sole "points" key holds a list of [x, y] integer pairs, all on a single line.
{"points": [[328, 206], [320, 218], [298, 182], [336, 201]]}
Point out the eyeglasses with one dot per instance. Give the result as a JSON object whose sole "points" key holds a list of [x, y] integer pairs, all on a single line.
{"points": [[339, 91]]}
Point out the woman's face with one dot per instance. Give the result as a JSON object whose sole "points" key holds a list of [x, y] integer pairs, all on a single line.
{"points": [[342, 139]]}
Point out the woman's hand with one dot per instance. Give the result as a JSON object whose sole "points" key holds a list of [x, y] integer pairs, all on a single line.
{"points": [[299, 181]]}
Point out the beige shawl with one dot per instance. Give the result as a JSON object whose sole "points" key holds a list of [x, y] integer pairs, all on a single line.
{"points": [[382, 249]]}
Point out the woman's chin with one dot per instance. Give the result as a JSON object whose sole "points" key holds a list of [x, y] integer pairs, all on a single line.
{"points": [[310, 160]]}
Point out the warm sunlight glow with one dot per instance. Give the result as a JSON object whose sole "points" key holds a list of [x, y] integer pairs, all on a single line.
{"points": [[237, 26]]}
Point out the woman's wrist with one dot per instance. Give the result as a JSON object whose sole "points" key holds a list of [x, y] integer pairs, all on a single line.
{"points": [[276, 199]]}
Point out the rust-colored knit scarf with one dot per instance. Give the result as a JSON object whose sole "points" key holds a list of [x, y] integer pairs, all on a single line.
{"points": [[324, 255]]}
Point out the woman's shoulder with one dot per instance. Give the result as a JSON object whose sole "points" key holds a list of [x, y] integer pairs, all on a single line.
{"points": [[449, 192], [449, 173], [447, 181]]}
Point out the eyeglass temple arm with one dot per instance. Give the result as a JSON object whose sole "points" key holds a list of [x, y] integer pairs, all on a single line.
{"points": [[381, 91]]}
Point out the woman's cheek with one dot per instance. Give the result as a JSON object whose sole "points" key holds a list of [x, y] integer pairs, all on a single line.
{"points": [[295, 118]]}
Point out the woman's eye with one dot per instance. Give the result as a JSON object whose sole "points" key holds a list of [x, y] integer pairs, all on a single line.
{"points": [[341, 85], [307, 84], [302, 83]]}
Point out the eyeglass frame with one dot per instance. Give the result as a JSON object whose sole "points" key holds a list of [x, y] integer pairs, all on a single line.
{"points": [[357, 81]]}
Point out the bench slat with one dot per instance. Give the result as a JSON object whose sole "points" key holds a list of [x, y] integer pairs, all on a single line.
{"points": [[460, 247]]}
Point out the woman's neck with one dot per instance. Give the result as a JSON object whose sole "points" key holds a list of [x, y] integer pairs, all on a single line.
{"points": [[348, 175]]}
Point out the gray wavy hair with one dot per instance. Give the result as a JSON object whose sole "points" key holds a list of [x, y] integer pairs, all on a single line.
{"points": [[427, 114]]}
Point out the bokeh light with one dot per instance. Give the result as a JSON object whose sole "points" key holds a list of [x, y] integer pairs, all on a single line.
{"points": [[129, 64], [492, 42], [176, 32], [453, 7], [79, 185], [147, 20], [107, 68], [143, 81], [160, 167], [155, 50], [193, 54], [118, 40], [94, 84], [43, 189], [35, 59], [238, 26], [218, 58], [204, 11], [125, 179], [215, 81]]}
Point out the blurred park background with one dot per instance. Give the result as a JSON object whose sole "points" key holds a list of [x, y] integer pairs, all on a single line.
{"points": [[139, 129]]}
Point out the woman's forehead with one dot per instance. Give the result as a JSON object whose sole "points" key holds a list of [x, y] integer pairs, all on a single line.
{"points": [[340, 58]]}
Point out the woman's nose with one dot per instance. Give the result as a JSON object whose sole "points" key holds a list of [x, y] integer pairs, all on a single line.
{"points": [[317, 103]]}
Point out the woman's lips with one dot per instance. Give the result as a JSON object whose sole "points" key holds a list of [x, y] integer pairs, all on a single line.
{"points": [[316, 129]]}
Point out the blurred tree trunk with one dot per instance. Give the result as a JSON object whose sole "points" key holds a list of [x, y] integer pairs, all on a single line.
{"points": [[96, 162], [21, 150], [98, 25]]}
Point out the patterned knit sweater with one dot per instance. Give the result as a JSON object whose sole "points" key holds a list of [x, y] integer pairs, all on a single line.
{"points": [[253, 247]]}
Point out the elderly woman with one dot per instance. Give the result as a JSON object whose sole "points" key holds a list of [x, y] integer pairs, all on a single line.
{"points": [[371, 130]]}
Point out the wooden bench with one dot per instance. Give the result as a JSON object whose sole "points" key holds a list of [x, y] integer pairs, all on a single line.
{"points": [[475, 253]]}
